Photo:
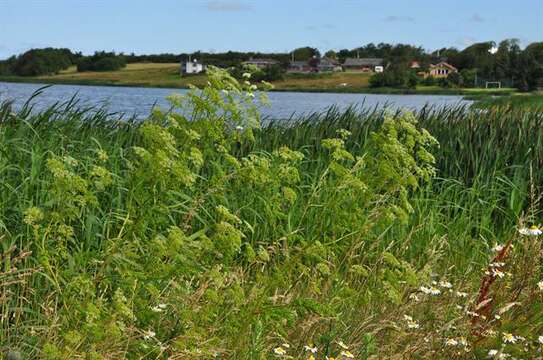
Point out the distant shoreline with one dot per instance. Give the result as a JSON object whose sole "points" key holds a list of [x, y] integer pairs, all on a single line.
{"points": [[347, 90]]}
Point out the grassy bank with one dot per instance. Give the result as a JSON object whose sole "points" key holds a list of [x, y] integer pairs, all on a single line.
{"points": [[167, 76], [532, 101], [353, 234]]}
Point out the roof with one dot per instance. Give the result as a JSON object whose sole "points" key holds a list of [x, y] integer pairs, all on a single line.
{"points": [[261, 61], [328, 62], [298, 63], [363, 62], [443, 64]]}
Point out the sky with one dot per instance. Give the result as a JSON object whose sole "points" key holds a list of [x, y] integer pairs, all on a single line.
{"points": [[176, 26]]}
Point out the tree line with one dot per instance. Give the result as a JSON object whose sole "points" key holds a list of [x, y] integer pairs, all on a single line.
{"points": [[505, 61]]}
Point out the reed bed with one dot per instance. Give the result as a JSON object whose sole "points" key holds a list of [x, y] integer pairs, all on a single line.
{"points": [[344, 234]]}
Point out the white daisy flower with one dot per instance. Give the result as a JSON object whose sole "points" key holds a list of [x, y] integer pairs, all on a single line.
{"points": [[540, 339], [531, 231], [445, 284], [509, 338], [279, 351]]}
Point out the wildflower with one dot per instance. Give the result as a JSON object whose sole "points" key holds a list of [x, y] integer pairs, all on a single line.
{"points": [[531, 231], [253, 87], [430, 290], [492, 352], [509, 338], [246, 75], [159, 308], [540, 339], [311, 349], [445, 284], [311, 357], [347, 354], [498, 248], [285, 345], [451, 342], [279, 351], [414, 297], [540, 285], [461, 294], [148, 334], [410, 323], [342, 345], [239, 128], [497, 273]]}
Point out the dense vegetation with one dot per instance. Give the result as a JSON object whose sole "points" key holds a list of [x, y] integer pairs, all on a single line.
{"points": [[101, 61], [37, 62], [199, 234]]}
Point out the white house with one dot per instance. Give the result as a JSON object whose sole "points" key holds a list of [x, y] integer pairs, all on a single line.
{"points": [[192, 67]]}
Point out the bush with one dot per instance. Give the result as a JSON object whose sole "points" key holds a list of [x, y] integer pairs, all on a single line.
{"points": [[38, 62], [389, 78], [271, 73], [101, 61]]}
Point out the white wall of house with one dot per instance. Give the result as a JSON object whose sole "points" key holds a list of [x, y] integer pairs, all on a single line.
{"points": [[192, 67], [379, 69]]}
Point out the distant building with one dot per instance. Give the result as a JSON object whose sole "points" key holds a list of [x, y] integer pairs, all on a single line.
{"points": [[329, 65], [364, 65], [192, 67], [300, 67], [442, 70], [261, 63]]}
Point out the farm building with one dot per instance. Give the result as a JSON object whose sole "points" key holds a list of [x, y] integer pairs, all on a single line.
{"points": [[300, 67], [363, 65], [329, 65]]}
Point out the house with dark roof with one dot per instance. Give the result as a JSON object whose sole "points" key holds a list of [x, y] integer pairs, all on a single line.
{"points": [[300, 67], [364, 65], [261, 63], [329, 65]]}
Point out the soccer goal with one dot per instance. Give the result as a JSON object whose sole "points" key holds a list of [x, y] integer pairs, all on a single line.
{"points": [[493, 84]]}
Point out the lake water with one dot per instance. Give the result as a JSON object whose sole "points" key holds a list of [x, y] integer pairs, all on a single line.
{"points": [[139, 101]]}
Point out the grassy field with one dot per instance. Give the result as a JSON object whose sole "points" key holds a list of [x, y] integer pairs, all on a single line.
{"points": [[356, 234]]}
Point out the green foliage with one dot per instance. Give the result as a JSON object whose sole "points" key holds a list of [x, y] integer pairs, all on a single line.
{"points": [[101, 61], [37, 62], [202, 234]]}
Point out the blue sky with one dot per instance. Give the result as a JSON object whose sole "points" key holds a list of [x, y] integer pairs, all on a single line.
{"points": [[155, 26]]}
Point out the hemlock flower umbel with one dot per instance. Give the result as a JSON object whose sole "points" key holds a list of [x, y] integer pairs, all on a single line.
{"points": [[531, 231]]}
